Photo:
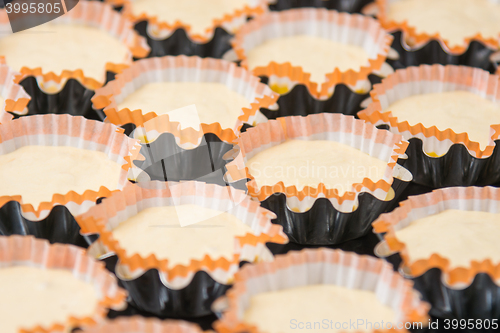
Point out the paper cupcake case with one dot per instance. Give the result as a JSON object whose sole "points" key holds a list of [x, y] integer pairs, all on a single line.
{"points": [[55, 220], [415, 48], [181, 69], [454, 292], [339, 27], [29, 251], [14, 96], [439, 158], [70, 91], [175, 38], [142, 325], [320, 266], [342, 217], [354, 6], [162, 279]]}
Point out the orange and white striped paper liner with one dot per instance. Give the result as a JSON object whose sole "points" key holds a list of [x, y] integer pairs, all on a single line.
{"points": [[340, 128], [343, 28], [139, 324], [30, 251], [95, 14], [120, 206], [15, 97], [181, 69], [66, 130], [230, 21], [415, 39], [323, 267], [484, 199], [426, 79]]}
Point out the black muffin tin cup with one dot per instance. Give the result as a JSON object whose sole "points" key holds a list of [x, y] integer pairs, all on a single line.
{"points": [[323, 224], [349, 6], [165, 160], [455, 168], [73, 99], [147, 293], [180, 43], [299, 102], [476, 55], [58, 227], [479, 300]]}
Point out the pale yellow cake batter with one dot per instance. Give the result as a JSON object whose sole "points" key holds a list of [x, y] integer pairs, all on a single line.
{"points": [[462, 111], [308, 163], [58, 47], [38, 172], [316, 55], [282, 311], [214, 102], [158, 230], [199, 14], [460, 236], [453, 19], [33, 296]]}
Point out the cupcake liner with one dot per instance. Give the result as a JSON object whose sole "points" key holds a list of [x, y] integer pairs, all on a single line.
{"points": [[438, 158], [48, 90], [322, 266], [298, 101], [456, 292], [28, 251], [340, 27], [351, 6], [181, 69], [103, 218], [417, 39], [296, 210], [229, 21], [65, 130], [175, 38], [139, 324], [14, 95]]}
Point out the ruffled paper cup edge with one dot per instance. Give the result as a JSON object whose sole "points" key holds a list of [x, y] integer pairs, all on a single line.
{"points": [[95, 221], [143, 325], [374, 114], [133, 153], [420, 39], [104, 97], [21, 250], [414, 309], [236, 170], [456, 277], [138, 48], [195, 37], [297, 73]]}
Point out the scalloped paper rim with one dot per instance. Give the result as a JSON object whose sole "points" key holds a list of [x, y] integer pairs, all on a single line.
{"points": [[28, 250], [143, 325], [15, 97], [296, 73], [276, 131], [347, 269], [96, 219], [420, 39], [226, 19], [39, 126], [91, 12], [466, 197], [105, 96], [473, 78]]}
